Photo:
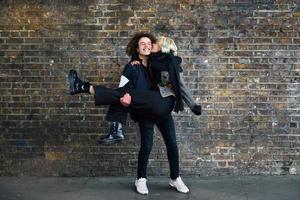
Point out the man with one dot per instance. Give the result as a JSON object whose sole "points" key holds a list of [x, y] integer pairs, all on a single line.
{"points": [[137, 75]]}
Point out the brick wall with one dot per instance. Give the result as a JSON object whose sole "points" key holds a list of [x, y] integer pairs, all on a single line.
{"points": [[241, 60]]}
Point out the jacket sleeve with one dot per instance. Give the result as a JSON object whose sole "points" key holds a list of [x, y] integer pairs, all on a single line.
{"points": [[186, 95], [188, 99], [128, 77]]}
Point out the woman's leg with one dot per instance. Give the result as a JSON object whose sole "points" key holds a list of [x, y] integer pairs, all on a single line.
{"points": [[148, 102], [167, 129], [76, 85], [107, 96], [151, 103], [117, 114]]}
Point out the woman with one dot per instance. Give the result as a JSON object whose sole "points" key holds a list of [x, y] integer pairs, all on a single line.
{"points": [[165, 69]]}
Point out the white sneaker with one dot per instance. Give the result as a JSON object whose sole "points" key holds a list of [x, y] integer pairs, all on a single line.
{"points": [[141, 186], [179, 185]]}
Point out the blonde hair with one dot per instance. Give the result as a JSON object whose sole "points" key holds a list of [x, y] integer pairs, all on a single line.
{"points": [[167, 45]]}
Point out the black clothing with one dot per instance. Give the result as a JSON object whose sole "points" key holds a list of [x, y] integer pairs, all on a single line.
{"points": [[146, 103], [146, 121], [167, 62], [139, 79], [167, 129], [76, 85], [116, 134], [138, 76]]}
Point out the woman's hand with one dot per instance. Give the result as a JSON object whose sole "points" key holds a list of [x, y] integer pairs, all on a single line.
{"points": [[197, 110], [125, 100]]}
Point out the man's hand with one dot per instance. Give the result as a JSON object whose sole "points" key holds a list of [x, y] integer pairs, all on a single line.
{"points": [[135, 62], [125, 100]]}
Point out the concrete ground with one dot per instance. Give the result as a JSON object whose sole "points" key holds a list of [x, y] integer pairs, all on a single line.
{"points": [[122, 188]]}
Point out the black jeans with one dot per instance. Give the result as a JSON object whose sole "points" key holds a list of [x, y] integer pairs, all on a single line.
{"points": [[167, 129]]}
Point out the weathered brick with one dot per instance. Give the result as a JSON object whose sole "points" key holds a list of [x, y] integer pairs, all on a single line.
{"points": [[240, 60]]}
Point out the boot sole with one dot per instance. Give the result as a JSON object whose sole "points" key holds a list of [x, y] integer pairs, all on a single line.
{"points": [[71, 82], [110, 142]]}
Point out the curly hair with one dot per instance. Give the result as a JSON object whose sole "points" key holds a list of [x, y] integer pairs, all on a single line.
{"points": [[133, 44]]}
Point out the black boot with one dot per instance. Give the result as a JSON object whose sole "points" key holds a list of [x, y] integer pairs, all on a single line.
{"points": [[76, 85], [115, 135]]}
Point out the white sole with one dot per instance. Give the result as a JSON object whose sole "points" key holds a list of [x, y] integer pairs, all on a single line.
{"points": [[140, 192], [173, 186]]}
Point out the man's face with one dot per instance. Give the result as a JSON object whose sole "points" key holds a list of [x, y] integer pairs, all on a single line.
{"points": [[145, 46]]}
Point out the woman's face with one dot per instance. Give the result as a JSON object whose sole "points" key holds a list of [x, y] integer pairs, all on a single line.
{"points": [[155, 48], [145, 46]]}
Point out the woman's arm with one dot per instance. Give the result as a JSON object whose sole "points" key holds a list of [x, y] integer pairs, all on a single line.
{"points": [[188, 99]]}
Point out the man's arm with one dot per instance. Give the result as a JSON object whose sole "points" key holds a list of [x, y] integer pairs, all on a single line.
{"points": [[127, 80]]}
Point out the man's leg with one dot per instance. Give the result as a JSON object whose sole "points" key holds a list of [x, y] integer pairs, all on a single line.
{"points": [[146, 132], [167, 130]]}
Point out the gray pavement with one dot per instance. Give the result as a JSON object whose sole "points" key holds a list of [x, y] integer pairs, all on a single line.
{"points": [[122, 188]]}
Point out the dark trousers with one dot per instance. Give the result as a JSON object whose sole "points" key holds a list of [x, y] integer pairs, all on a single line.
{"points": [[167, 129], [146, 103], [117, 113]]}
